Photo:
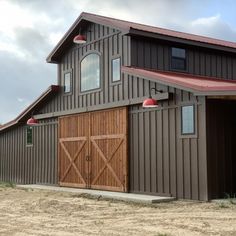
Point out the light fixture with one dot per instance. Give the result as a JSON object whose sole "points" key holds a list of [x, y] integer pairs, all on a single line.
{"points": [[151, 102], [32, 121], [80, 38]]}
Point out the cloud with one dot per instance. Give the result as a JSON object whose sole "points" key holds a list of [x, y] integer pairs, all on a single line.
{"points": [[30, 29], [32, 42], [213, 26], [21, 80]]}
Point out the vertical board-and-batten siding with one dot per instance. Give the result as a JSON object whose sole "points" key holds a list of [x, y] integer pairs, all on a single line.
{"points": [[154, 54], [110, 44], [24, 164], [161, 160]]}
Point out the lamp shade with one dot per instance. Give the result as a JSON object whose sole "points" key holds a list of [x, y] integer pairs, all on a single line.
{"points": [[32, 121], [79, 39], [150, 102]]}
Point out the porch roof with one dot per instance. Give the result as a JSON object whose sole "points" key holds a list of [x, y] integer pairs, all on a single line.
{"points": [[198, 85], [53, 89]]}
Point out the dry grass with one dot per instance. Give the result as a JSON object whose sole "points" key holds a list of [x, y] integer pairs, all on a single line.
{"points": [[35, 212]]}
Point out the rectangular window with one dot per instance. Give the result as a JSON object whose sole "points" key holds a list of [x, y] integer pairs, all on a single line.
{"points": [[29, 135], [115, 70], [178, 59], [187, 118], [67, 82]]}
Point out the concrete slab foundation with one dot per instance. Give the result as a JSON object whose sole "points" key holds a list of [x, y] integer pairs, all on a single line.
{"points": [[127, 197]]}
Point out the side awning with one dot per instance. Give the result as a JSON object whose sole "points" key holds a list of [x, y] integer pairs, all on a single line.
{"points": [[26, 114], [198, 85]]}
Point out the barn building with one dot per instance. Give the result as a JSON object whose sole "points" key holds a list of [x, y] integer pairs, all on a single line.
{"points": [[94, 132]]}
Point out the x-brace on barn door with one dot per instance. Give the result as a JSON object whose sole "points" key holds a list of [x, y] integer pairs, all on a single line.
{"points": [[93, 150]]}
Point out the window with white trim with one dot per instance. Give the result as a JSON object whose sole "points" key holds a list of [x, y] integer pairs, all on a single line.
{"points": [[29, 135], [115, 69], [187, 120], [90, 72], [67, 82]]}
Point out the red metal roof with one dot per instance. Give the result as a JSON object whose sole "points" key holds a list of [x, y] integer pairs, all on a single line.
{"points": [[127, 25], [27, 112], [200, 85]]}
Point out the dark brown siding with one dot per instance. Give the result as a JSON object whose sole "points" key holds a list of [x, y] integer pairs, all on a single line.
{"points": [[161, 160], [157, 54], [29, 164], [221, 147], [110, 44]]}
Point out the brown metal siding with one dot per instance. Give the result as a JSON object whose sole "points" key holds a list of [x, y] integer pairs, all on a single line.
{"points": [[24, 164], [161, 160], [221, 147], [155, 54], [110, 44], [133, 51]]}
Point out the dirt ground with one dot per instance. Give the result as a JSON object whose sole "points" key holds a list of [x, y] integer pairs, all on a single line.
{"points": [[37, 212]]}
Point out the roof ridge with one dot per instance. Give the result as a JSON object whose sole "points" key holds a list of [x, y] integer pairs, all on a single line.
{"points": [[157, 27]]}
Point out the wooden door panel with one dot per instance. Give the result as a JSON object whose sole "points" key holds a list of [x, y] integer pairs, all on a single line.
{"points": [[108, 149], [93, 150], [73, 150], [73, 168], [106, 162]]}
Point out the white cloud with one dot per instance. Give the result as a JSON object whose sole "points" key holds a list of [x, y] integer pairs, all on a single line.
{"points": [[212, 26], [54, 38], [12, 16], [29, 30], [206, 21], [11, 49]]}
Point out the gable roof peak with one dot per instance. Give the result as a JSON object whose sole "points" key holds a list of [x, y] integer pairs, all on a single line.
{"points": [[128, 27]]}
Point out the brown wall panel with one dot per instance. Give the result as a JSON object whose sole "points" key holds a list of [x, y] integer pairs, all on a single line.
{"points": [[110, 44], [24, 164], [162, 161], [155, 54]]}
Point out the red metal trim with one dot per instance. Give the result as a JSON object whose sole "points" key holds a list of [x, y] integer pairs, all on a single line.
{"points": [[187, 81], [127, 27]]}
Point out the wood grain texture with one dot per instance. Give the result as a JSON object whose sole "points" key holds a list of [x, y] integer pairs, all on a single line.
{"points": [[93, 150]]}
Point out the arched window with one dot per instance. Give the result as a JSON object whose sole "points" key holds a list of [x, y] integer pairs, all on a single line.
{"points": [[90, 72]]}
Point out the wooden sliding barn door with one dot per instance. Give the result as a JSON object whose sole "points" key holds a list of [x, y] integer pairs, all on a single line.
{"points": [[73, 150], [108, 149], [93, 150]]}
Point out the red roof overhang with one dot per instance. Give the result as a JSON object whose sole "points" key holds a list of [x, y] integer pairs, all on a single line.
{"points": [[198, 85], [133, 28], [53, 89]]}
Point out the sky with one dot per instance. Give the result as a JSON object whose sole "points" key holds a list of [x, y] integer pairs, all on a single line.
{"points": [[30, 29]]}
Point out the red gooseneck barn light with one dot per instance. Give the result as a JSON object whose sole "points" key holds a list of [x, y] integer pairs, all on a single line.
{"points": [[32, 121], [79, 39], [151, 102]]}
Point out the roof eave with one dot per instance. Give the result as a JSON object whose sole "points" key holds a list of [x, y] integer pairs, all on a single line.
{"points": [[216, 93], [28, 111], [49, 58], [71, 33], [137, 32], [202, 91]]}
